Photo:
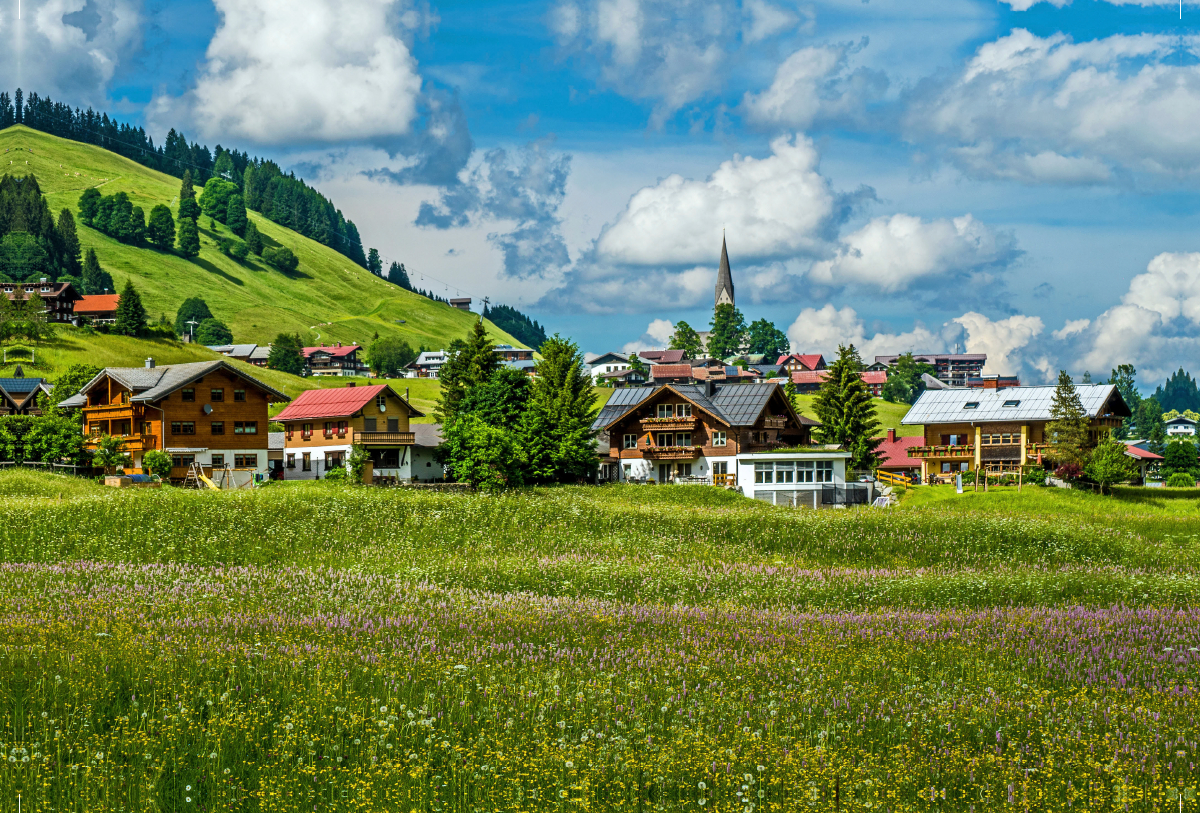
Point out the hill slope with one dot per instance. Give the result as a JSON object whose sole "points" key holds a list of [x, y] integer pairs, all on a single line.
{"points": [[329, 299]]}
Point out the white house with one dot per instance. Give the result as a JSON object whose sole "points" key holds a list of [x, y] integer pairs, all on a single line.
{"points": [[1181, 426], [607, 363], [428, 364], [800, 478]]}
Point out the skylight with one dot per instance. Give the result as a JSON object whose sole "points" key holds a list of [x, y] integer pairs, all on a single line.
{"points": [[971, 405], [1012, 403]]}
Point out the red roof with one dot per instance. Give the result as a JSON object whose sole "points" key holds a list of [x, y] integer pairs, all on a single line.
{"points": [[97, 303], [331, 403], [344, 350], [873, 377], [671, 370], [893, 454], [1141, 454], [809, 376], [662, 356]]}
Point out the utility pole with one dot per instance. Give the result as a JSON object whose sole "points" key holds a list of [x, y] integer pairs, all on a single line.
{"points": [[191, 330], [485, 306]]}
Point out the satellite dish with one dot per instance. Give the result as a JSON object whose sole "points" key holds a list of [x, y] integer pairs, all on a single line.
{"points": [[207, 409], [383, 407]]}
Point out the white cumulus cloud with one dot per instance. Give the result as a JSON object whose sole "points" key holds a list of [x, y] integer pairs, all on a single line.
{"points": [[1001, 339], [282, 71], [823, 329], [657, 336], [813, 83], [891, 253], [771, 207]]}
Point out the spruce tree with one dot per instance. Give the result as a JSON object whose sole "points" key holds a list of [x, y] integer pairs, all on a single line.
{"points": [[161, 228], [398, 275], [89, 203], [1067, 431], [374, 264], [846, 410], [189, 237], [728, 332], [137, 225], [95, 279], [468, 363], [286, 354], [253, 238], [235, 215], [188, 208], [1124, 378], [131, 314], [70, 241], [556, 429]]}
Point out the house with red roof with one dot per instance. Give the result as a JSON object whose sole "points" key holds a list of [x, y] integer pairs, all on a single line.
{"points": [[671, 373], [96, 309], [809, 381], [795, 362], [893, 454], [335, 359], [320, 426], [1144, 460]]}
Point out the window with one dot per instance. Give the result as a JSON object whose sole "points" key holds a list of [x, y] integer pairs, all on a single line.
{"points": [[328, 429], [342, 425], [720, 468], [217, 427], [218, 460], [183, 427], [945, 468], [1012, 403], [121, 428], [762, 472], [683, 439], [683, 410], [784, 471], [393, 424], [188, 393], [289, 430], [216, 394], [124, 397], [307, 432], [1006, 438], [664, 439], [804, 471], [666, 410], [182, 461], [239, 395], [630, 442], [245, 427], [291, 461], [333, 460], [245, 461], [381, 403], [628, 470], [971, 405], [147, 428], [718, 438], [369, 425], [824, 471], [306, 462]]}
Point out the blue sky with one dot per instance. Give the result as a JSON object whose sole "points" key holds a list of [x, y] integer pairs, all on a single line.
{"points": [[1016, 178]]}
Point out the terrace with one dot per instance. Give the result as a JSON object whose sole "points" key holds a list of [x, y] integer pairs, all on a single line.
{"points": [[671, 452]]}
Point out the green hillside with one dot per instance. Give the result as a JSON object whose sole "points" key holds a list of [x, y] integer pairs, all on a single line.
{"points": [[329, 299]]}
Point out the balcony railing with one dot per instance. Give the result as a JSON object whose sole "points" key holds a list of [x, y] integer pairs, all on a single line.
{"points": [[108, 412], [774, 423], [941, 451], [683, 424], [130, 443], [671, 452], [386, 438]]}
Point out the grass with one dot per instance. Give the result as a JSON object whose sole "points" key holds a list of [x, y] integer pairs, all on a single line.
{"points": [[328, 299], [308, 646]]}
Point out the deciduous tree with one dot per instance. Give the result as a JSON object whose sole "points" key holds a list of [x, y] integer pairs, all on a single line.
{"points": [[686, 338], [763, 338], [213, 332], [287, 354], [1109, 464], [728, 332], [389, 355]]}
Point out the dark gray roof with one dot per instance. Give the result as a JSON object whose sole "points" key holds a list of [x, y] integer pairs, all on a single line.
{"points": [[21, 385], [724, 276], [735, 404], [276, 441], [427, 434], [152, 383]]}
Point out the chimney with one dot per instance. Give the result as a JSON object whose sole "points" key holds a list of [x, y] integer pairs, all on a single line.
{"points": [[710, 388], [352, 384], [891, 436], [339, 344], [991, 382], [150, 363]]}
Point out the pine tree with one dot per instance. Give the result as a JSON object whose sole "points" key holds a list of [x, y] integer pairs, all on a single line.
{"points": [[374, 264], [253, 239], [131, 315], [846, 410], [1067, 430], [188, 208], [235, 215], [468, 363], [287, 354], [161, 228], [685, 338], [1124, 378], [95, 279], [728, 332], [70, 240], [556, 429], [398, 275], [189, 237]]}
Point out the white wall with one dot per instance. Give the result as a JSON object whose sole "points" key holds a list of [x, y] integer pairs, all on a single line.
{"points": [[318, 454]]}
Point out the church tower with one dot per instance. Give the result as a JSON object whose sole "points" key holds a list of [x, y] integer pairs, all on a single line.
{"points": [[724, 294]]}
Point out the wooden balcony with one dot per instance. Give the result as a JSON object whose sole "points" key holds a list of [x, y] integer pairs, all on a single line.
{"points": [[671, 452], [130, 443], [108, 413], [668, 424], [941, 451], [385, 438], [774, 423]]}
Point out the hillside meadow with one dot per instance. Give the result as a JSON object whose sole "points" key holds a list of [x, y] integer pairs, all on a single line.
{"points": [[328, 299], [316, 647]]}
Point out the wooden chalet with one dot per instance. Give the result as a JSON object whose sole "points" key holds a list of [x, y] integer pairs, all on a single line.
{"points": [[696, 430], [19, 395], [58, 298]]}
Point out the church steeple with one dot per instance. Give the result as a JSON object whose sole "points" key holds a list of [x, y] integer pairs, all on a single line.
{"points": [[724, 295]]}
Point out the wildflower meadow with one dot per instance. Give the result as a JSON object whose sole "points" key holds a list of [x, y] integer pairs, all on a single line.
{"points": [[319, 647]]}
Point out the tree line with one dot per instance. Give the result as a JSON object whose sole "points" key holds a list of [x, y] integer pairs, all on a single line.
{"points": [[281, 198]]}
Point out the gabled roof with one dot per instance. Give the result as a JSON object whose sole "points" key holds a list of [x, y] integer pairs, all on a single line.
{"points": [[732, 404], [670, 371], [1182, 419], [606, 357], [1139, 453], [873, 377], [895, 453], [97, 303], [428, 435], [237, 351], [21, 391], [344, 350], [337, 402], [152, 383], [1025, 404], [662, 356], [809, 376]]}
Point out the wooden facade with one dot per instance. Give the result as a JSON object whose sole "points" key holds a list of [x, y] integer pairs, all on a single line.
{"points": [[319, 437]]}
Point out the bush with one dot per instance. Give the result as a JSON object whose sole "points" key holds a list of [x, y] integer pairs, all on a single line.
{"points": [[281, 258], [1036, 476], [1069, 471], [1181, 480], [157, 462], [232, 247], [338, 473]]}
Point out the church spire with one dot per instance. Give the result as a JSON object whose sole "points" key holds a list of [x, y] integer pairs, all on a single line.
{"points": [[724, 295]]}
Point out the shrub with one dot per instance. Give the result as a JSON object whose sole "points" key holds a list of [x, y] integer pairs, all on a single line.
{"points": [[157, 462], [1181, 480], [281, 258], [1036, 476], [1068, 471], [338, 473]]}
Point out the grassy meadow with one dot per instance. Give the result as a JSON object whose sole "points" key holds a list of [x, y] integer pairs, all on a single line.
{"points": [[308, 646], [327, 299]]}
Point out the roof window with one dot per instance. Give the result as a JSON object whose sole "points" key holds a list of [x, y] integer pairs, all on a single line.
{"points": [[1012, 403], [971, 405]]}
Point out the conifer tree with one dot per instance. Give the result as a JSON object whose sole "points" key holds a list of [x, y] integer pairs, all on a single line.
{"points": [[189, 237], [89, 203], [235, 215], [398, 275], [374, 264], [188, 208], [137, 225], [70, 240], [131, 314], [287, 354], [1067, 430], [253, 238], [161, 228], [468, 363], [846, 411], [95, 279], [556, 429]]}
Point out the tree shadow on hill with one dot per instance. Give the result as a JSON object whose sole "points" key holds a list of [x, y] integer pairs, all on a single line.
{"points": [[207, 266]]}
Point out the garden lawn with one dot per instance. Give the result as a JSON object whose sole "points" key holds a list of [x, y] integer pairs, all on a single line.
{"points": [[311, 646]]}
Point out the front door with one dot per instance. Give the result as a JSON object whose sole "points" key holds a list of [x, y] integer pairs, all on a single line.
{"points": [[664, 472]]}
